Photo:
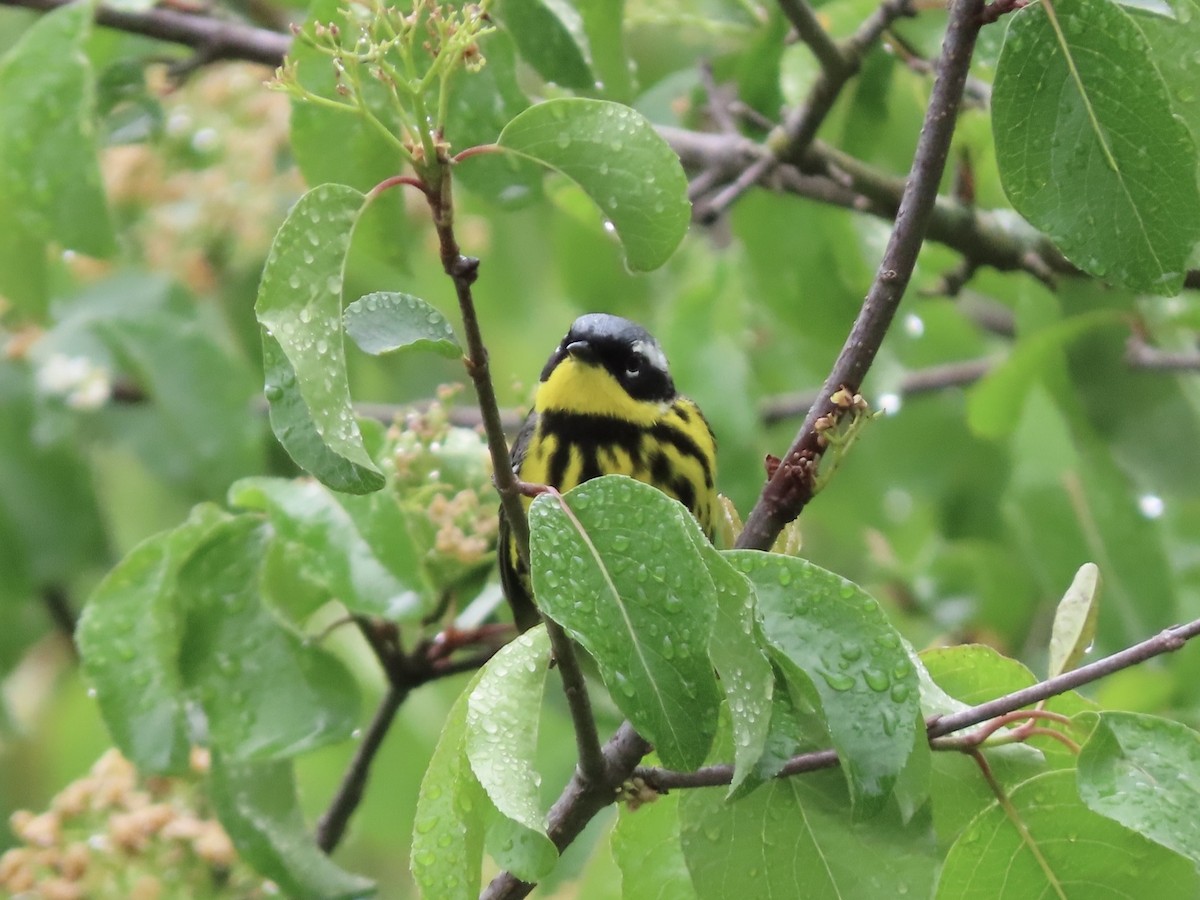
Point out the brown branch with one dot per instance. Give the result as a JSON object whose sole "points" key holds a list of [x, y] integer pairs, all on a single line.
{"points": [[789, 142], [428, 661], [992, 238], [824, 48], [213, 38], [463, 272], [331, 827], [578, 804], [1166, 641], [789, 490]]}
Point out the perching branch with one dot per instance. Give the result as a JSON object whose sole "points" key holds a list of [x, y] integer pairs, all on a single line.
{"points": [[463, 271], [790, 489], [1167, 641]]}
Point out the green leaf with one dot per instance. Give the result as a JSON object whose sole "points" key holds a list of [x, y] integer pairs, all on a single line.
{"points": [[299, 306], [370, 569], [747, 678], [1143, 771], [632, 588], [50, 185], [604, 26], [448, 829], [828, 631], [550, 36], [1173, 40], [794, 838], [1090, 152], [129, 637], [975, 674], [385, 321], [264, 691], [994, 403], [258, 807], [620, 161], [503, 711], [645, 844], [1075, 621], [1080, 852]]}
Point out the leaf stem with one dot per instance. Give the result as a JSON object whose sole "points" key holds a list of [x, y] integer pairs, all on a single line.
{"points": [[1018, 823]]}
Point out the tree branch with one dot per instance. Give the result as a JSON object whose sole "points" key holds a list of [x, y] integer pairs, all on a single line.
{"points": [[1166, 641], [428, 662], [790, 489], [824, 48], [331, 827], [215, 38], [789, 142], [578, 804]]}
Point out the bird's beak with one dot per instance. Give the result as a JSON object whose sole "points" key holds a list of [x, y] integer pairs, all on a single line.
{"points": [[582, 351]]}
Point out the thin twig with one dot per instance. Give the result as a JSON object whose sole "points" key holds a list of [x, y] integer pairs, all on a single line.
{"points": [[215, 38], [1167, 641], [790, 489], [463, 271], [405, 673], [824, 48], [789, 142], [592, 766], [332, 825]]}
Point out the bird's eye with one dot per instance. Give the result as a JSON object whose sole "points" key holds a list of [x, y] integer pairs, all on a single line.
{"points": [[633, 367]]}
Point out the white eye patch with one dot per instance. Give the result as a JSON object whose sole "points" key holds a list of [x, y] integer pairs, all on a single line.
{"points": [[652, 353]]}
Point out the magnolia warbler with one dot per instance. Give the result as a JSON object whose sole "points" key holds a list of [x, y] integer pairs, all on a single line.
{"points": [[606, 405]]}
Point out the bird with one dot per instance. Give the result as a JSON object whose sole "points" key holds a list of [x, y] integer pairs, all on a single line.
{"points": [[606, 405]]}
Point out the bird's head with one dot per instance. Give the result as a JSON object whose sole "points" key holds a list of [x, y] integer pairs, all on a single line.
{"points": [[607, 366]]}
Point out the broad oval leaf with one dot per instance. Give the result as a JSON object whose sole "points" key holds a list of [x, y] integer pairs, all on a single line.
{"points": [[365, 554], [620, 161], [550, 36], [646, 848], [1089, 150], [265, 692], [50, 184], [622, 574], [1144, 772], [1065, 846], [452, 809], [129, 637], [746, 674], [260, 811], [300, 308], [386, 321], [833, 633], [501, 743], [794, 837]]}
